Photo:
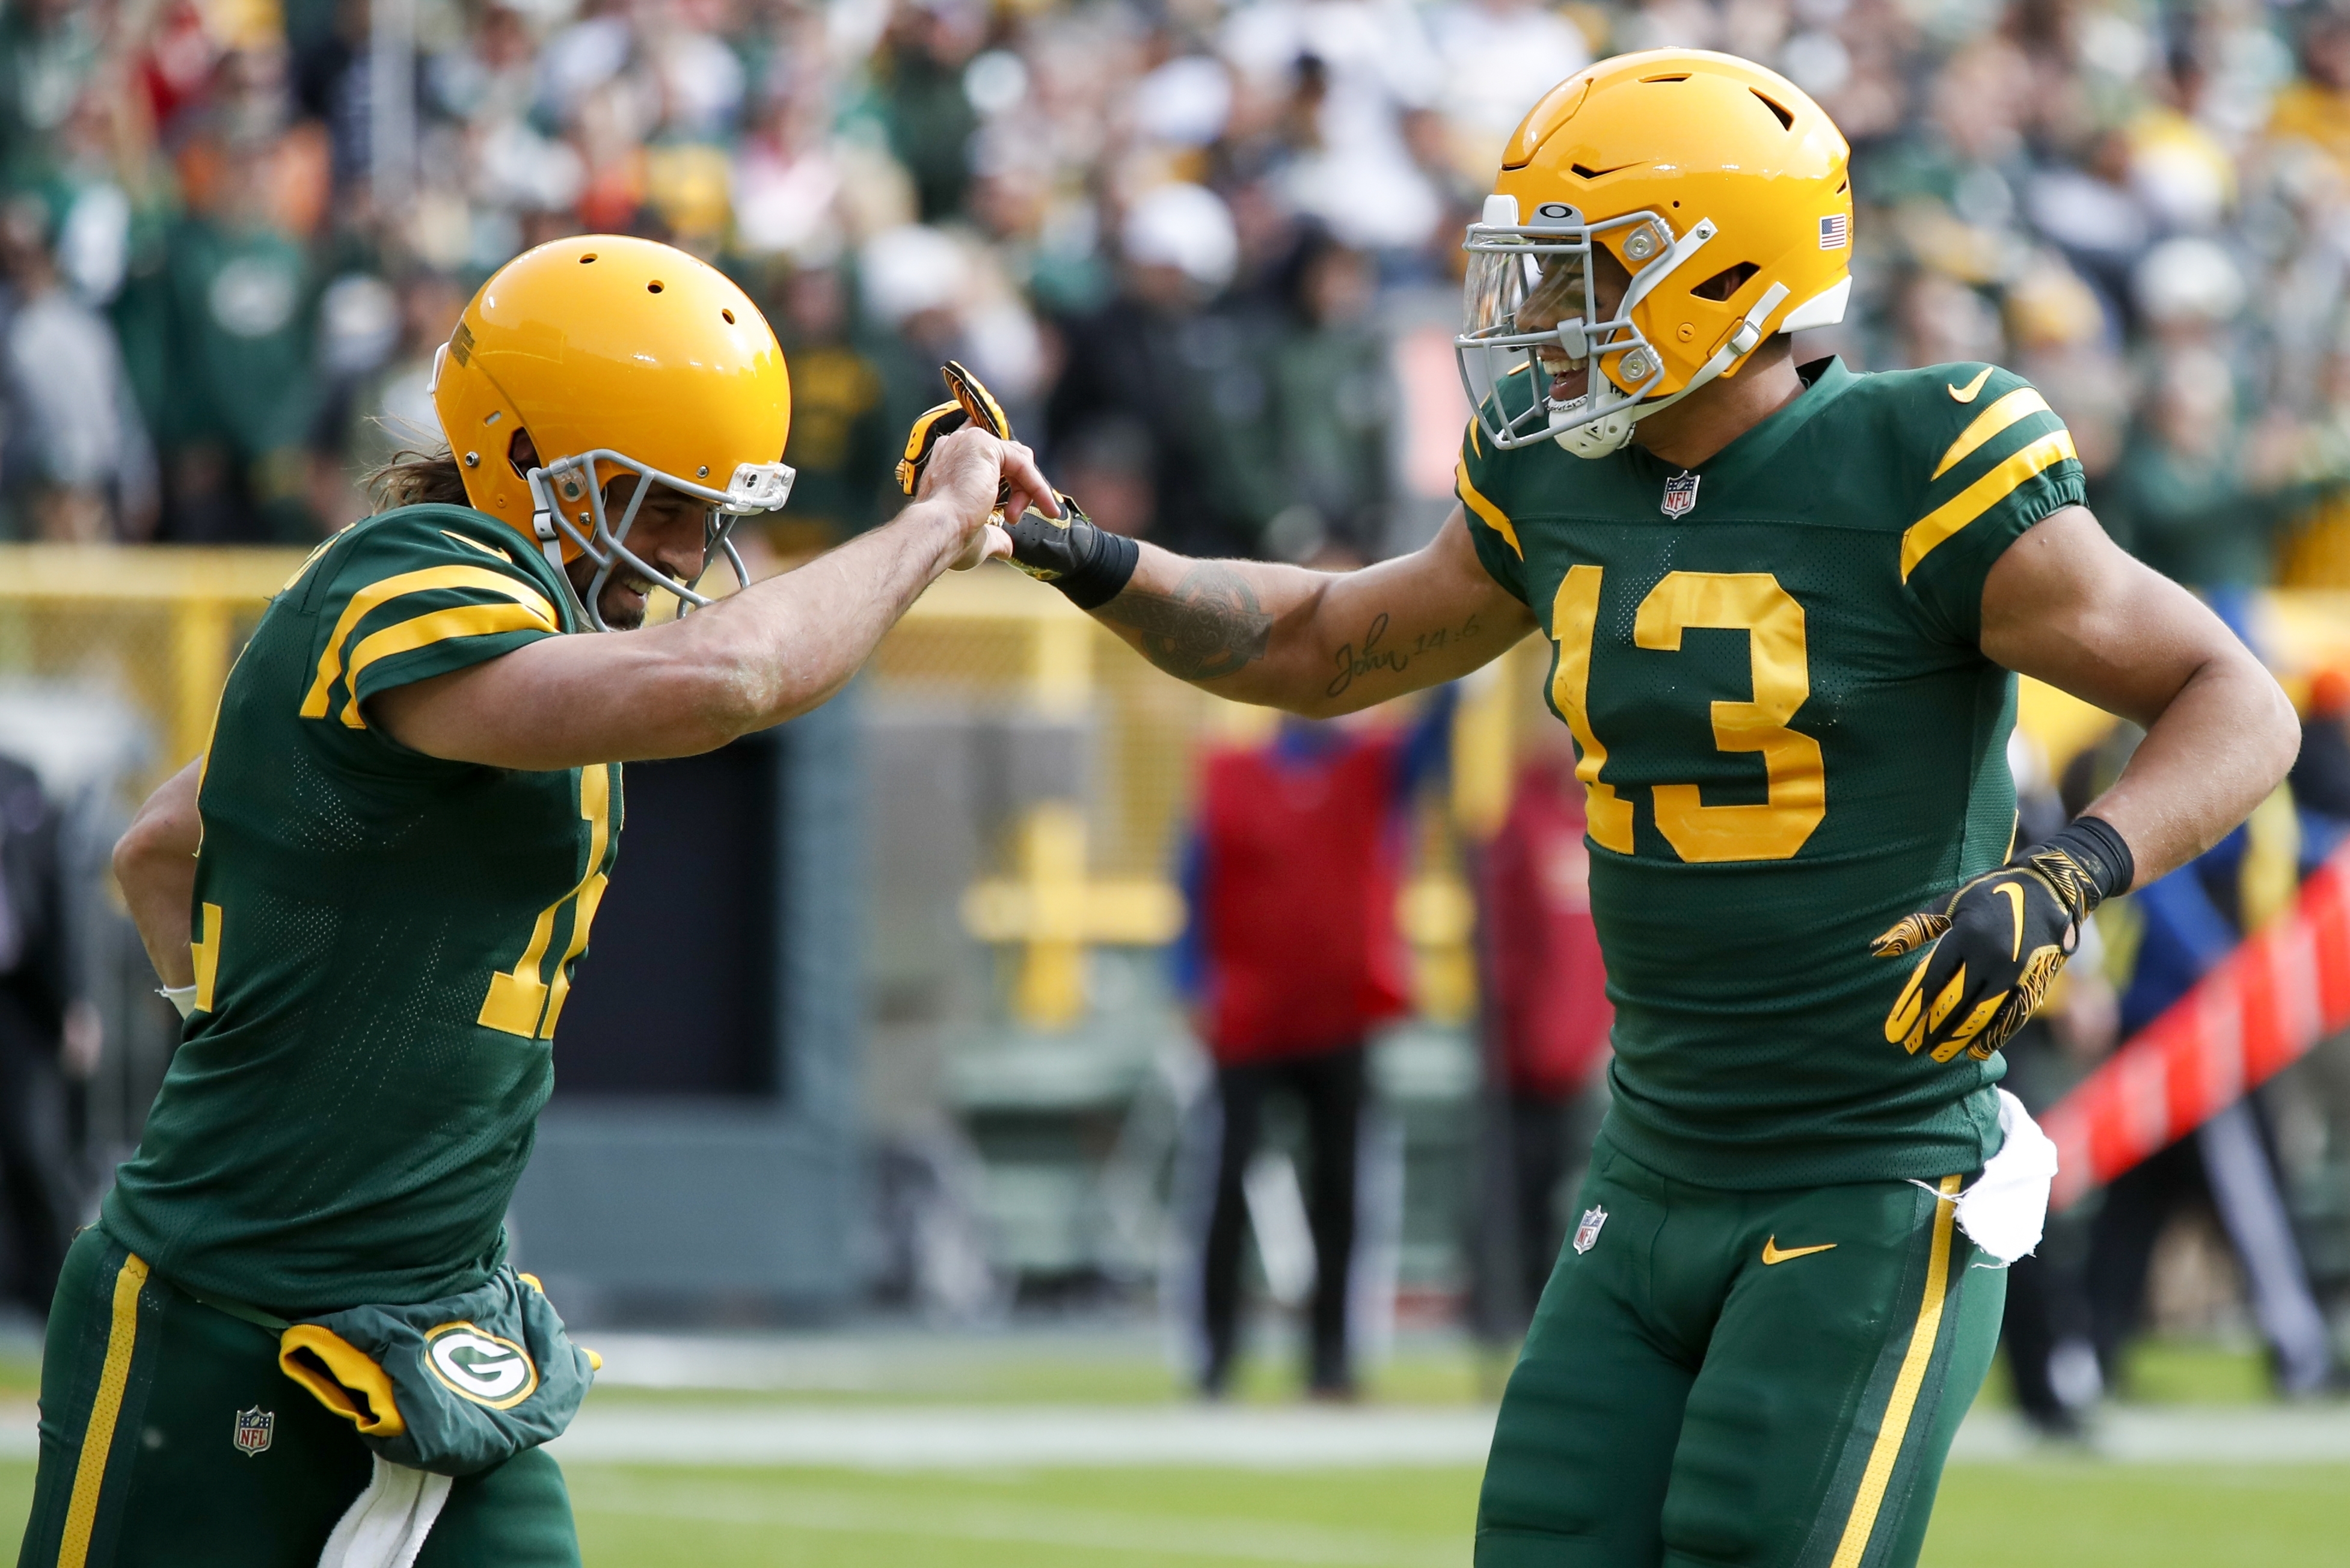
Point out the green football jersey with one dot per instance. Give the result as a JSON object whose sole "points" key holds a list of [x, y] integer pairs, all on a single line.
{"points": [[383, 943], [1789, 738]]}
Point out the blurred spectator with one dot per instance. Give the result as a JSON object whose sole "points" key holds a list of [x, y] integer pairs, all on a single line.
{"points": [[75, 465], [2047, 1332], [2320, 779], [2189, 921], [1546, 1018], [1331, 404], [1158, 365], [1292, 957], [36, 1202], [381, 347], [2178, 497], [227, 311], [842, 440]]}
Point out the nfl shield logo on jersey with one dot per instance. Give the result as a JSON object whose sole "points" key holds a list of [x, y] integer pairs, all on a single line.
{"points": [[1680, 494], [1588, 1234], [254, 1428]]}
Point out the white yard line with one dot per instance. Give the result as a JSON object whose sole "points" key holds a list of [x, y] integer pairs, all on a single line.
{"points": [[951, 1437], [964, 1437]]}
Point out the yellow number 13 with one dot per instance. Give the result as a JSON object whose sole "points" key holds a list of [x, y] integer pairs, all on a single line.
{"points": [[1752, 602]]}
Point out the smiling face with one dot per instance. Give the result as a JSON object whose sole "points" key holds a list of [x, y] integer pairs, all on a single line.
{"points": [[1558, 297], [667, 533]]}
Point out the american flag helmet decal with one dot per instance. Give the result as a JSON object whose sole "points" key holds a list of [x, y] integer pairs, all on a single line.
{"points": [[1836, 231]]}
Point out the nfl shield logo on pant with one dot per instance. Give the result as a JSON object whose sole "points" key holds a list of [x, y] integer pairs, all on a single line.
{"points": [[254, 1428], [1680, 494], [1588, 1234]]}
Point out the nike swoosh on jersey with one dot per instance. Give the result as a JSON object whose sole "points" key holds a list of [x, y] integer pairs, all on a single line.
{"points": [[1773, 1253], [1966, 394]]}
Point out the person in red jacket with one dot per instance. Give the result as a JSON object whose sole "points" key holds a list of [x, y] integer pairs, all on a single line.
{"points": [[1291, 956], [1547, 1017]]}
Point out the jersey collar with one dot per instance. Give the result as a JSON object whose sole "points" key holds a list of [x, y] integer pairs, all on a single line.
{"points": [[1825, 381]]}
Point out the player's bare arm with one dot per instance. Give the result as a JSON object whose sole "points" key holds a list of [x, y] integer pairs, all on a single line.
{"points": [[2066, 606], [1319, 643], [765, 655], [155, 865]]}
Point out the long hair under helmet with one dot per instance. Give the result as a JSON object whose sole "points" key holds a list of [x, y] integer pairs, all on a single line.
{"points": [[599, 356], [1689, 167]]}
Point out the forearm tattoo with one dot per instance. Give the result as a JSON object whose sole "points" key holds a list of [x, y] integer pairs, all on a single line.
{"points": [[1209, 626]]}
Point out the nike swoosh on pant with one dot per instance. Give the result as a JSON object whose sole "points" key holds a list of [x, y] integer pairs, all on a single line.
{"points": [[1773, 1253]]}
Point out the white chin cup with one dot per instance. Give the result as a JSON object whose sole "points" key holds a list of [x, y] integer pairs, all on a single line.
{"points": [[1591, 437]]}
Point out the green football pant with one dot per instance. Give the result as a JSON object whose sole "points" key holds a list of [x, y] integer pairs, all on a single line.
{"points": [[1738, 1380], [154, 1412]]}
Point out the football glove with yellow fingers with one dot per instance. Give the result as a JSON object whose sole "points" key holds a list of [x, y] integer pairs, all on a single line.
{"points": [[1995, 947], [1088, 563]]}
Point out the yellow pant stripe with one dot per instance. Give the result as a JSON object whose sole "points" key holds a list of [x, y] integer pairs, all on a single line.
{"points": [[97, 1437], [1891, 1435]]}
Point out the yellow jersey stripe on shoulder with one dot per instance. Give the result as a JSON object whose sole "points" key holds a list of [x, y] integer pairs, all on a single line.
{"points": [[1929, 532], [105, 1410], [1491, 515], [376, 595], [490, 550], [2020, 403], [1886, 1452], [458, 621], [308, 561]]}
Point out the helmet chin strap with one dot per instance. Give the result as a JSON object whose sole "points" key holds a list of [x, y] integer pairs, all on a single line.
{"points": [[1610, 433]]}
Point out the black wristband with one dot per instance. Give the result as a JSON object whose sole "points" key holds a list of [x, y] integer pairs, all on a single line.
{"points": [[2092, 844], [1102, 574]]}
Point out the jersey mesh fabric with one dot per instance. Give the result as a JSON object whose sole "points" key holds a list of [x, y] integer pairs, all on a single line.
{"points": [[1750, 1047], [341, 1126]]}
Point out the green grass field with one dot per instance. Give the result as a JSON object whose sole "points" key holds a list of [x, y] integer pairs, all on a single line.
{"points": [[2056, 1512], [2072, 1514]]}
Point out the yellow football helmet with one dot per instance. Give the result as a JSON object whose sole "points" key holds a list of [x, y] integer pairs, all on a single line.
{"points": [[1689, 168], [602, 355]]}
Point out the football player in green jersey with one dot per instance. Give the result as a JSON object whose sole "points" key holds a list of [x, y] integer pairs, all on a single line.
{"points": [[1786, 607], [369, 897]]}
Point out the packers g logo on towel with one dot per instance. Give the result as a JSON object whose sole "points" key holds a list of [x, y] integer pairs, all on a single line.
{"points": [[481, 1366]]}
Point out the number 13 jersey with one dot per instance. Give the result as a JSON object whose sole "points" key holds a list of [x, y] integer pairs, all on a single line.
{"points": [[384, 941], [1789, 738]]}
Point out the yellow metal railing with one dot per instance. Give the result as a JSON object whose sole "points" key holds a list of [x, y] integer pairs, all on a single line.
{"points": [[160, 626]]}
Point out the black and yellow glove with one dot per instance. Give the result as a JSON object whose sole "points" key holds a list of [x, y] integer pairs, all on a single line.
{"points": [[1088, 563], [1997, 944]]}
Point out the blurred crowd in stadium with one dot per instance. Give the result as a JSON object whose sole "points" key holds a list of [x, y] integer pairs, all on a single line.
{"points": [[1173, 233]]}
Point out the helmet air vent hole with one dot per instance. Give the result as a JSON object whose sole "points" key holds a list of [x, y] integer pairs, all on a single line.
{"points": [[1725, 283], [729, 315], [653, 287], [495, 415], [588, 258], [1786, 116], [1681, 77]]}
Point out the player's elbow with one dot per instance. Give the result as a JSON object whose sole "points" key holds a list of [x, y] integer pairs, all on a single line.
{"points": [[2280, 728], [719, 700], [153, 845], [2267, 731]]}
